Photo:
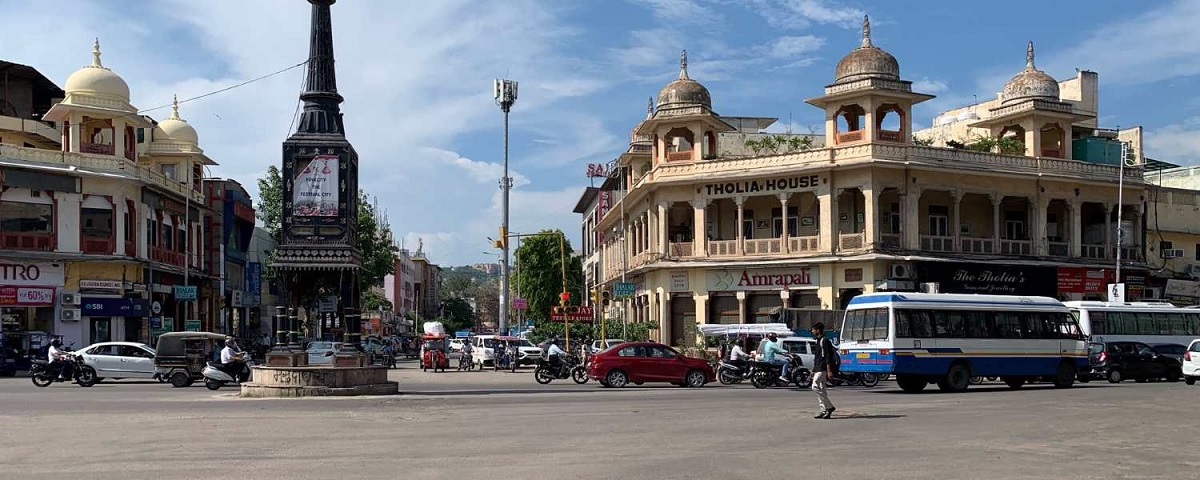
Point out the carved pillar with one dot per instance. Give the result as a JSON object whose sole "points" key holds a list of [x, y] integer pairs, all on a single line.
{"points": [[870, 217], [1076, 225], [827, 232], [740, 201], [699, 227], [741, 297], [1040, 247], [785, 234], [911, 226], [663, 234], [997, 201], [956, 220]]}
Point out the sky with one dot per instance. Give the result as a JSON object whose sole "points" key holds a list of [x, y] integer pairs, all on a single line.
{"points": [[417, 77]]}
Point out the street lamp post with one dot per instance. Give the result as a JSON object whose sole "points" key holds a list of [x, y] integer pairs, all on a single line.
{"points": [[506, 94]]}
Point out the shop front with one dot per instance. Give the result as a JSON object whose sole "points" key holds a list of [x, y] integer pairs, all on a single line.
{"points": [[751, 295], [954, 277], [28, 296], [111, 317], [1079, 283]]}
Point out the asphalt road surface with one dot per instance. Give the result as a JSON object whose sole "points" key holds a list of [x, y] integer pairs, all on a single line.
{"points": [[503, 425]]}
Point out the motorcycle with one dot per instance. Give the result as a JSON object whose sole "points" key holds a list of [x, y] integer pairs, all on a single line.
{"points": [[861, 379], [763, 374], [42, 374], [730, 372], [215, 377], [570, 368], [465, 363]]}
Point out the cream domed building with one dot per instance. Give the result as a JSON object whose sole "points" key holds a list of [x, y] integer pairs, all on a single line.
{"points": [[113, 212], [711, 226]]}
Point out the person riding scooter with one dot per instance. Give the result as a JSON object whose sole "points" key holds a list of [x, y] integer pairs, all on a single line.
{"points": [[231, 359]]}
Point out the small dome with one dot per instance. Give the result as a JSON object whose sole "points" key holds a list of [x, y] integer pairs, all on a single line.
{"points": [[1029, 83], [867, 61], [684, 91], [176, 128], [97, 80]]}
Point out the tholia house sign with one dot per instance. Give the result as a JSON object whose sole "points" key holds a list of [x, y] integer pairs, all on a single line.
{"points": [[766, 279], [783, 184]]}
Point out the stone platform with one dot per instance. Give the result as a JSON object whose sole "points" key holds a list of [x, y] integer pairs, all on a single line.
{"points": [[318, 381]]}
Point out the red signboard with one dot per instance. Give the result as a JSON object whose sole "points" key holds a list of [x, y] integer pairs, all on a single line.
{"points": [[26, 296], [1083, 280], [597, 170], [576, 314]]}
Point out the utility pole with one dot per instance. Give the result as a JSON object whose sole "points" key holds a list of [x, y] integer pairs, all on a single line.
{"points": [[505, 94]]}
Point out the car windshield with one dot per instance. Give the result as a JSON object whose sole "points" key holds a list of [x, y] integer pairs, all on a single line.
{"points": [[319, 346], [1096, 348]]}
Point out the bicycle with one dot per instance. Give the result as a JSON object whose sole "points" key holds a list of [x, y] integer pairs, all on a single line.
{"points": [[465, 363]]}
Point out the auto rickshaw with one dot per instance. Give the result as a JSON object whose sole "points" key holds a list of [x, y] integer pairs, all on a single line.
{"points": [[180, 356], [433, 353]]}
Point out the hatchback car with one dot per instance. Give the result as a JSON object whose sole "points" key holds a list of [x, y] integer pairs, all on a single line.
{"points": [[120, 359], [641, 362], [1119, 361], [1191, 363], [321, 353]]}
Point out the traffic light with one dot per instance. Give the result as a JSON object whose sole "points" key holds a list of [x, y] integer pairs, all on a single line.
{"points": [[572, 310], [605, 297], [563, 298], [502, 241], [595, 296], [556, 310]]}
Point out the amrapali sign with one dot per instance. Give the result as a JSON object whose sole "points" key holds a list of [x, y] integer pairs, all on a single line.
{"points": [[764, 279], [315, 193]]}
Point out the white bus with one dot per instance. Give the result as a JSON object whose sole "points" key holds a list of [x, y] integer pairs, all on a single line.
{"points": [[946, 339], [1147, 322]]}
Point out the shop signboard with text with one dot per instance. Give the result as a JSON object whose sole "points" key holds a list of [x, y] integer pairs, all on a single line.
{"points": [[955, 277], [114, 307], [1083, 280], [14, 296], [32, 274], [761, 279]]}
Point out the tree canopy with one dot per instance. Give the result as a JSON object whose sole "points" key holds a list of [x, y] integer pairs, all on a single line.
{"points": [[539, 274]]}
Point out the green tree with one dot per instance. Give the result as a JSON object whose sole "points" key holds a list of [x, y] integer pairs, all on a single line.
{"points": [[541, 273], [457, 314], [270, 203], [375, 243]]}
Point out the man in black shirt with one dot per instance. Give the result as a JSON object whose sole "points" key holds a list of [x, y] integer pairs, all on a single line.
{"points": [[823, 369]]}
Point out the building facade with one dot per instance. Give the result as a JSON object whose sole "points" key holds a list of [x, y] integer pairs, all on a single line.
{"points": [[414, 287], [265, 293], [710, 233], [229, 232], [102, 215]]}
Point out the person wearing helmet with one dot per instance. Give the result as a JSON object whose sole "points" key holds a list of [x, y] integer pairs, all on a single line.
{"points": [[773, 353], [57, 357]]}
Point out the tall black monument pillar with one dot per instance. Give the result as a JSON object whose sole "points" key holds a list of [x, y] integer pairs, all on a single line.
{"points": [[319, 255]]}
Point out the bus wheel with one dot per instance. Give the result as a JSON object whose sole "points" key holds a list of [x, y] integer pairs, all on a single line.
{"points": [[1065, 377], [911, 384], [1014, 382], [957, 379]]}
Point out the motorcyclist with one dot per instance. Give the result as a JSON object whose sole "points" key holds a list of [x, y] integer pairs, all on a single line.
{"points": [[231, 359], [773, 353], [58, 359], [555, 355]]}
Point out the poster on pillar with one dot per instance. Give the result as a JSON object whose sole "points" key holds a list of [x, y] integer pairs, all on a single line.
{"points": [[316, 188], [761, 279]]}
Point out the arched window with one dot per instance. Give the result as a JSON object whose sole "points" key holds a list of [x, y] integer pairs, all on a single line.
{"points": [[679, 143], [889, 122], [1053, 141]]}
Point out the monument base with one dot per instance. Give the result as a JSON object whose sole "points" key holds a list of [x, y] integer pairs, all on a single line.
{"points": [[287, 358], [314, 381]]}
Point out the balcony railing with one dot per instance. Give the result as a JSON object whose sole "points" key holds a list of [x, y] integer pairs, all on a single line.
{"points": [[1094, 251], [96, 244], [977, 245], [722, 248], [104, 161], [852, 241], [1060, 249], [681, 249], [934, 243], [163, 255], [1052, 152], [97, 148], [763, 246], [848, 137], [1131, 253], [804, 244], [1016, 247], [890, 240], [891, 136], [679, 156], [27, 241]]}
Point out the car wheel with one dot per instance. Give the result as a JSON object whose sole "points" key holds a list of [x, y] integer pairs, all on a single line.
{"points": [[1189, 380], [617, 379], [911, 384], [180, 379], [1114, 376], [1173, 376], [695, 379]]}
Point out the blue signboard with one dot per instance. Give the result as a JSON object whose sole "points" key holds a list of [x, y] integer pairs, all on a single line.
{"points": [[462, 334], [156, 323], [624, 289], [114, 307], [185, 292], [253, 295]]}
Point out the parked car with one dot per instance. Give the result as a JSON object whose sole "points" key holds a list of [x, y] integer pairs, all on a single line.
{"points": [[321, 353], [120, 360], [456, 344], [803, 347], [1173, 350], [1191, 363], [1118, 361], [528, 353], [640, 362], [602, 345]]}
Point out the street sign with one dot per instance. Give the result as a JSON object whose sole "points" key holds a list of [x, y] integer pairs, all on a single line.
{"points": [[576, 314], [327, 304], [624, 289], [1116, 292], [191, 325], [520, 304], [185, 292]]}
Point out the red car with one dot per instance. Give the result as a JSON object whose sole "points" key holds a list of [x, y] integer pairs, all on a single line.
{"points": [[638, 362]]}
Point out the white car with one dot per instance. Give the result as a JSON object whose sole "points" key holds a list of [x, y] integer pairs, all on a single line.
{"points": [[1191, 363], [321, 353], [602, 345], [456, 344], [484, 350], [120, 359], [805, 348]]}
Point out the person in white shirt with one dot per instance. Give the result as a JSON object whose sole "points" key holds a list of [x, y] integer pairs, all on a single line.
{"points": [[58, 359], [231, 359], [737, 354], [555, 355]]}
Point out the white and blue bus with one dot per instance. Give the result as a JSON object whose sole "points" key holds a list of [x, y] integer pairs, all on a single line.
{"points": [[1151, 323], [946, 339]]}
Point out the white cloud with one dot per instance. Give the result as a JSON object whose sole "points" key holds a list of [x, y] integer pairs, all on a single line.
{"points": [[688, 12], [788, 47], [1177, 143], [800, 14], [927, 85]]}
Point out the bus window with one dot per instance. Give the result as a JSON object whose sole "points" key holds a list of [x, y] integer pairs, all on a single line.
{"points": [[1145, 324], [1193, 323], [1098, 321], [1035, 325], [1008, 325], [880, 331], [948, 324], [903, 323], [1127, 325], [1068, 327], [976, 324]]}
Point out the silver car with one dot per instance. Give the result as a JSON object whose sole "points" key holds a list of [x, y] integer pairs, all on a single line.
{"points": [[120, 359], [321, 353]]}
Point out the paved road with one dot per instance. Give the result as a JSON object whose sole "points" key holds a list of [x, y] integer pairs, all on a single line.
{"points": [[449, 426]]}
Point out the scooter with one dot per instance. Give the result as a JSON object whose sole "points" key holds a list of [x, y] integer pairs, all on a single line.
{"points": [[215, 378]]}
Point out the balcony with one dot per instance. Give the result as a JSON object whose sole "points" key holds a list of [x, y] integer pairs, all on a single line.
{"points": [[102, 162], [764, 246], [847, 137], [1094, 252], [96, 244], [1060, 249], [1131, 253], [27, 241], [679, 156], [935, 243], [1052, 152], [891, 136], [722, 248], [977, 245], [97, 148], [1016, 247], [163, 255], [681, 249], [852, 241], [804, 244]]}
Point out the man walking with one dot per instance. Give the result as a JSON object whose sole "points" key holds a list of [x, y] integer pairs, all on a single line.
{"points": [[825, 364]]}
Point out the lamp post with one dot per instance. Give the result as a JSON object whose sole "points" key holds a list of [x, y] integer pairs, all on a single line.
{"points": [[505, 92]]}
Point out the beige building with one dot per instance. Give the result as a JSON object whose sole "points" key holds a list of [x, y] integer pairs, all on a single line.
{"points": [[709, 233]]}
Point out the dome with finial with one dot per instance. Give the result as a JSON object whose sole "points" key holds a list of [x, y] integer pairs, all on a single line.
{"points": [[176, 128], [633, 134], [867, 61], [1029, 83], [683, 91], [97, 80]]}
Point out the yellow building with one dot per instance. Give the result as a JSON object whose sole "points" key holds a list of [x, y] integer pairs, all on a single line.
{"points": [[714, 234], [103, 200]]}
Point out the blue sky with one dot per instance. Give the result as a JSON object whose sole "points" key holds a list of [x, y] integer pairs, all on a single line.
{"points": [[417, 79]]}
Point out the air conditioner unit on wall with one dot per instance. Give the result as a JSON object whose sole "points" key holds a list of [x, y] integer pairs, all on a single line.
{"points": [[72, 315], [930, 287], [900, 271], [70, 298], [1172, 253]]}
